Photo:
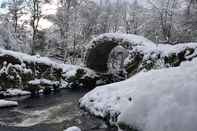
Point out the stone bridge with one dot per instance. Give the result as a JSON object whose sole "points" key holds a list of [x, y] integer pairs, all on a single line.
{"points": [[101, 48]]}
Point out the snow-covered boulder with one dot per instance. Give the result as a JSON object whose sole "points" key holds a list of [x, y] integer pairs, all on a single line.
{"points": [[169, 56], [77, 77], [5, 103], [40, 66], [163, 56], [158, 100], [74, 128], [14, 92], [17, 69], [81, 78], [42, 86], [40, 74]]}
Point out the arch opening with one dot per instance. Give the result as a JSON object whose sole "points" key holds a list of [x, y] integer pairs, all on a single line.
{"points": [[97, 57]]}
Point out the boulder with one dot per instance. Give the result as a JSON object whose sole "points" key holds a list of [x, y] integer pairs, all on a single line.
{"points": [[5, 103]]}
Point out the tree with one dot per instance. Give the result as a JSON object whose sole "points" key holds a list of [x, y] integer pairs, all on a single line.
{"points": [[36, 15], [15, 11], [63, 22], [134, 18], [165, 14]]}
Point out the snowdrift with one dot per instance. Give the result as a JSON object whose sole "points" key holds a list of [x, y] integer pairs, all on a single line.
{"points": [[158, 100]]}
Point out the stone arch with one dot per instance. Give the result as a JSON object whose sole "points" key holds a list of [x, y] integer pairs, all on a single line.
{"points": [[97, 57], [100, 48]]}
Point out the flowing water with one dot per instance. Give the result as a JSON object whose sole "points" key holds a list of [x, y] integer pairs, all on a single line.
{"points": [[54, 112]]}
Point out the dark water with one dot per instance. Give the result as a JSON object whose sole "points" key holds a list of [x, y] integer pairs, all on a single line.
{"points": [[55, 112]]}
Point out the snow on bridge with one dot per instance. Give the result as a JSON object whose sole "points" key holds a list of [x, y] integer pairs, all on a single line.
{"points": [[100, 48]]}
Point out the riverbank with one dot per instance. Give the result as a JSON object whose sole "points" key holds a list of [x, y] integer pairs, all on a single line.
{"points": [[54, 112]]}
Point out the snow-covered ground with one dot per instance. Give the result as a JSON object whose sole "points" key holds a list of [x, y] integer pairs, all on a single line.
{"points": [[158, 100], [5, 103]]}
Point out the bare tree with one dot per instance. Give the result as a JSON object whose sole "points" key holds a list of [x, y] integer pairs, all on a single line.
{"points": [[190, 4], [35, 19], [132, 22], [14, 12], [63, 21], [165, 10]]}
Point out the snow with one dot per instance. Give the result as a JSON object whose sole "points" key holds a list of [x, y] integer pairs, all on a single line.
{"points": [[144, 45], [25, 57], [5, 103], [45, 24], [158, 100], [45, 60], [50, 8], [169, 49], [37, 59], [141, 42], [163, 51], [16, 92], [42, 81], [74, 128], [71, 70]]}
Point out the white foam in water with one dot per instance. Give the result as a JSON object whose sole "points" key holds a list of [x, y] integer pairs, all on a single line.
{"points": [[49, 115]]}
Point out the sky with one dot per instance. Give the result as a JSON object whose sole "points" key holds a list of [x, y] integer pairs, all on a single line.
{"points": [[140, 1], [51, 9], [1, 1], [144, 3]]}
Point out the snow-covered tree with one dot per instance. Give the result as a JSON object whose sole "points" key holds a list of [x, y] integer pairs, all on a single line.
{"points": [[35, 10]]}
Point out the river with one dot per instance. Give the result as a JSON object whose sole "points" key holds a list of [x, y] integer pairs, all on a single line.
{"points": [[54, 112]]}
